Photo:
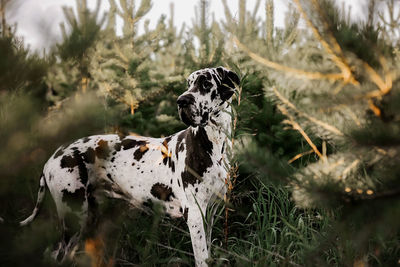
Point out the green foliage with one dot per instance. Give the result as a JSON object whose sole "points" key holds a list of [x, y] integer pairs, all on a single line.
{"points": [[354, 131], [288, 206], [84, 29], [20, 70]]}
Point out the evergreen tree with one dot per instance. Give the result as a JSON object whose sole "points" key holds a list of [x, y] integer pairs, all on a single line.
{"points": [[340, 84], [70, 71]]}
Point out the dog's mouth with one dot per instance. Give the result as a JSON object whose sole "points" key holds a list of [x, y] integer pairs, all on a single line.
{"points": [[187, 117]]}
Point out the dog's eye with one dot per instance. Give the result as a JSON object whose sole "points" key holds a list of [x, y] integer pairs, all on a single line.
{"points": [[207, 85]]}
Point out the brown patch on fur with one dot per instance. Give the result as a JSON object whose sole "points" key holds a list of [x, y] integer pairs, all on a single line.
{"points": [[102, 150], [162, 192], [140, 152]]}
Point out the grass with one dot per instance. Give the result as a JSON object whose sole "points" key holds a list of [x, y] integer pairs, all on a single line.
{"points": [[265, 229]]}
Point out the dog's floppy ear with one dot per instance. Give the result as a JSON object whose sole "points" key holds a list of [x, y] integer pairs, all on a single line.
{"points": [[229, 81]]}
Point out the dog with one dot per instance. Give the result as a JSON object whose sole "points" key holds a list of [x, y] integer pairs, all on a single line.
{"points": [[183, 172]]}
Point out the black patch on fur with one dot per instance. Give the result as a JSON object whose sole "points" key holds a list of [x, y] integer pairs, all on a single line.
{"points": [[109, 177], [215, 78], [225, 92], [131, 143], [213, 95], [117, 146], [221, 72], [59, 152], [75, 199], [185, 214], [228, 78], [199, 85], [162, 192], [198, 156], [233, 76], [68, 162], [83, 173], [89, 156], [165, 160], [138, 154], [179, 145], [76, 160], [173, 166], [204, 117], [102, 150], [86, 139]]}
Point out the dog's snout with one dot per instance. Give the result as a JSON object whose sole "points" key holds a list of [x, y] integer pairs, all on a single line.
{"points": [[185, 100]]}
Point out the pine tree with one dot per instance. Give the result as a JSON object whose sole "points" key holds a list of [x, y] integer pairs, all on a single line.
{"points": [[209, 37], [340, 84], [72, 56]]}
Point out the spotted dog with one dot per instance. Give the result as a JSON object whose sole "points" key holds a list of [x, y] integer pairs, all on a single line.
{"points": [[183, 172]]}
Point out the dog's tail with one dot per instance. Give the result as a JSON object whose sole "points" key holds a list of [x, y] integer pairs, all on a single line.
{"points": [[41, 192]]}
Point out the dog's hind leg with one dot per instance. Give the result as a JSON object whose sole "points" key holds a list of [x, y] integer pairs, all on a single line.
{"points": [[73, 215], [71, 233]]}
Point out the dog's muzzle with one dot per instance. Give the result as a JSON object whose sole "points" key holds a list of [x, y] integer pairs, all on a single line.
{"points": [[186, 109]]}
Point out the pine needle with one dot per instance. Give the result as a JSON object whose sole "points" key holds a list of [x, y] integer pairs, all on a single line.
{"points": [[297, 127], [326, 126], [287, 70], [335, 51]]}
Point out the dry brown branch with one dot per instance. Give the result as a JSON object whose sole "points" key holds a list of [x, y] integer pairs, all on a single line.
{"points": [[374, 108], [314, 120], [231, 176], [300, 155], [337, 56], [335, 51], [298, 128], [384, 86], [288, 70]]}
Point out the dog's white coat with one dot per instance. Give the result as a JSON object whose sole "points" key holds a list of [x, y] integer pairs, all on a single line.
{"points": [[148, 168]]}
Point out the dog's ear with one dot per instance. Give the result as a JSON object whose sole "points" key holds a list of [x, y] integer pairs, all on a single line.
{"points": [[229, 81]]}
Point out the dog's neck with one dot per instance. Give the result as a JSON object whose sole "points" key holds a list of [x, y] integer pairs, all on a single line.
{"points": [[219, 130]]}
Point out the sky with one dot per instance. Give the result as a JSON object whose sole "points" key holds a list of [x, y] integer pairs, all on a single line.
{"points": [[38, 21]]}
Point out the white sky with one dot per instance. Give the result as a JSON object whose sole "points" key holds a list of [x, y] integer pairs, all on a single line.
{"points": [[38, 21]]}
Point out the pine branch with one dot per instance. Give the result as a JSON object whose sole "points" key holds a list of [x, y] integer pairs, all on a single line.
{"points": [[300, 155], [297, 127], [288, 70], [269, 10], [335, 51], [324, 125]]}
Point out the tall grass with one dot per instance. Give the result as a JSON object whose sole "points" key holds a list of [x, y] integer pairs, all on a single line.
{"points": [[265, 229]]}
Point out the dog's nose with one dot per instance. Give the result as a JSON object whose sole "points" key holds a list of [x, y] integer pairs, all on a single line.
{"points": [[184, 100]]}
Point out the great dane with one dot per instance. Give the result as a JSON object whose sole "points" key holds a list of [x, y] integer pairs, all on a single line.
{"points": [[183, 172]]}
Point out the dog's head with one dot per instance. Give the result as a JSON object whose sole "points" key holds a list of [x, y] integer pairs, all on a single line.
{"points": [[208, 89]]}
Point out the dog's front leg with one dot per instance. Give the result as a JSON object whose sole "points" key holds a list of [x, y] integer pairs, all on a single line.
{"points": [[198, 236]]}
